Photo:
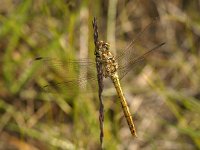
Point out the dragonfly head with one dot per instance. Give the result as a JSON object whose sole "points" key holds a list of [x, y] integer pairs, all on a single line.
{"points": [[103, 46]]}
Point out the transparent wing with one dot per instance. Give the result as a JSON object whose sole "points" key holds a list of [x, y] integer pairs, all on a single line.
{"points": [[139, 48], [138, 40], [68, 75], [68, 65], [143, 41], [124, 69], [71, 86]]}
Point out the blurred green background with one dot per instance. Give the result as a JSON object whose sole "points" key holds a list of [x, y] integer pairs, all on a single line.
{"points": [[163, 94]]}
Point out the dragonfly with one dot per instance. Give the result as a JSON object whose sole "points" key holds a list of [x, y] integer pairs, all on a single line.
{"points": [[112, 67]]}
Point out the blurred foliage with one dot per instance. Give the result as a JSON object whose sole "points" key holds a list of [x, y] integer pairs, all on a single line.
{"points": [[163, 95]]}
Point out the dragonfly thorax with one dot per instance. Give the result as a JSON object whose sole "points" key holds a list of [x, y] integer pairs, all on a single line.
{"points": [[107, 59]]}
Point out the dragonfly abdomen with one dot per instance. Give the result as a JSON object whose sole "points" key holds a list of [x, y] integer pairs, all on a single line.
{"points": [[124, 104]]}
